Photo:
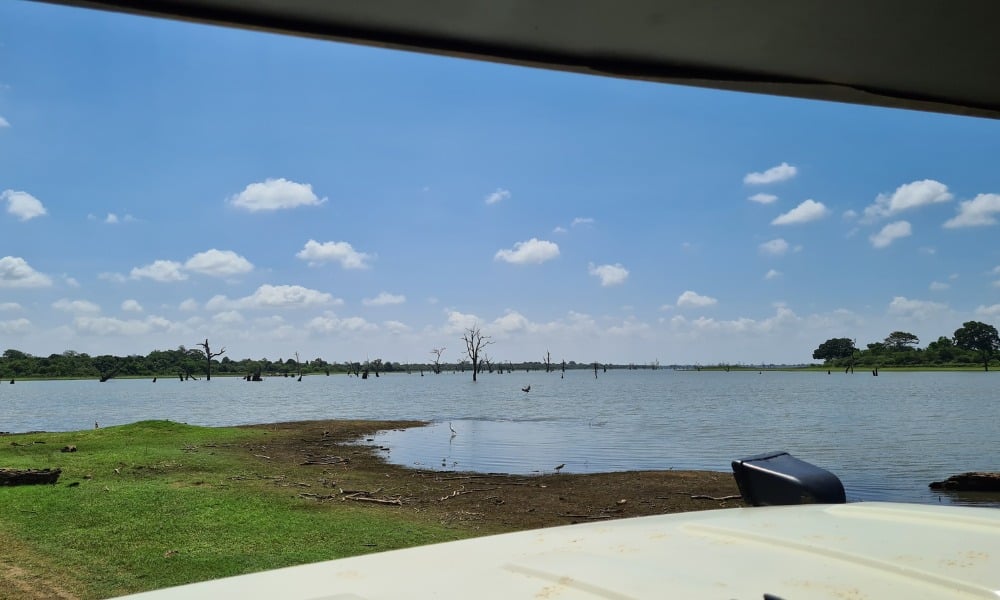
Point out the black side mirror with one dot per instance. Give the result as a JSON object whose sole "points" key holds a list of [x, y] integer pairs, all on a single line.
{"points": [[778, 478]]}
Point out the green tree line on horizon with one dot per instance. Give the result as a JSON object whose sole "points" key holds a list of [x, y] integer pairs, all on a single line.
{"points": [[187, 363], [972, 343]]}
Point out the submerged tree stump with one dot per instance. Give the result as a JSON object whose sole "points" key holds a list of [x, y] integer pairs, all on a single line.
{"points": [[28, 476], [970, 482]]}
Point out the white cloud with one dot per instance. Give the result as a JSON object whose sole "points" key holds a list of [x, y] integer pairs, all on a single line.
{"points": [[71, 281], [16, 273], [849, 215], [979, 211], [10, 306], [582, 221], [763, 198], [349, 258], [274, 296], [4, 123], [906, 197], [188, 305], [938, 286], [330, 323], [691, 299], [915, 309], [459, 322], [810, 210], [124, 327], [784, 319], [512, 321], [228, 317], [775, 247], [111, 219], [15, 326], [23, 205], [131, 305], [76, 306], [559, 229], [163, 271], [384, 299], [498, 196], [890, 233], [782, 172], [218, 263], [992, 312], [275, 194], [396, 327], [610, 275], [533, 251], [772, 274]]}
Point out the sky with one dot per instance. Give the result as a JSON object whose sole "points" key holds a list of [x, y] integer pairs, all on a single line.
{"points": [[162, 183]]}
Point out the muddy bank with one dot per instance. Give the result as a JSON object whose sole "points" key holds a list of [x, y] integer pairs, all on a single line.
{"points": [[321, 455]]}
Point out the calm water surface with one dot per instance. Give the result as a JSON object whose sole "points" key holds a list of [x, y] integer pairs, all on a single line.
{"points": [[886, 437]]}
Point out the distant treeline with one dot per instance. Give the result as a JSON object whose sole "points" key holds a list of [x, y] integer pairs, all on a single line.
{"points": [[972, 343], [190, 363]]}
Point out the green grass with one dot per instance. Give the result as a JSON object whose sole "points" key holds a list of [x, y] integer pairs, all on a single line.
{"points": [[172, 514]]}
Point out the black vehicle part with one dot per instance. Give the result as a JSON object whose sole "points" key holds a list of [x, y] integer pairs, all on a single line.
{"points": [[778, 478]]}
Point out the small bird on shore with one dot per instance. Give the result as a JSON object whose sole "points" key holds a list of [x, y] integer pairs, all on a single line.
{"points": [[96, 426], [526, 389], [453, 432], [559, 468]]}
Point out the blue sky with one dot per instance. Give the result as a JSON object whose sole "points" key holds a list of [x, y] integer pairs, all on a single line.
{"points": [[164, 182]]}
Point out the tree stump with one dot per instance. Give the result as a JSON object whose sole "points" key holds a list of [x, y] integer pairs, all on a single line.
{"points": [[28, 476]]}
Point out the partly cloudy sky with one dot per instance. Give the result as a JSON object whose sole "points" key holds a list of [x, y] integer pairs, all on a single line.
{"points": [[164, 182]]}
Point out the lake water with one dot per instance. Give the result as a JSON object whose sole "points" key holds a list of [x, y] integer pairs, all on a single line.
{"points": [[886, 437]]}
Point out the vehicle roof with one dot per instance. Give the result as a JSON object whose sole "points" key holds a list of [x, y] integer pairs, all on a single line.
{"points": [[920, 54], [817, 552]]}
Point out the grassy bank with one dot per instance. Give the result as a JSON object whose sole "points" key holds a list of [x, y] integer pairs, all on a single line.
{"points": [[156, 504]]}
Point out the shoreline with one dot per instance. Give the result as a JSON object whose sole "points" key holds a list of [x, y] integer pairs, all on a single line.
{"points": [[488, 502]]}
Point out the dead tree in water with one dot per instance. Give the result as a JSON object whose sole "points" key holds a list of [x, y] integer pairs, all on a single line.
{"points": [[548, 361], [437, 352], [209, 355], [475, 342]]}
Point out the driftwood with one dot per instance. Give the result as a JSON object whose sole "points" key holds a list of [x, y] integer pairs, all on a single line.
{"points": [[393, 501], [28, 476], [980, 481], [465, 491], [326, 460], [366, 496], [716, 498]]}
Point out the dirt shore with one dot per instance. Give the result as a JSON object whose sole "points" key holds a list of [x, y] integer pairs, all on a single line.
{"points": [[322, 452], [319, 462]]}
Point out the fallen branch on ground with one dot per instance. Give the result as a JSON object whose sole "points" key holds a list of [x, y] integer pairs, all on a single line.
{"points": [[393, 501], [465, 491], [326, 460]]}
